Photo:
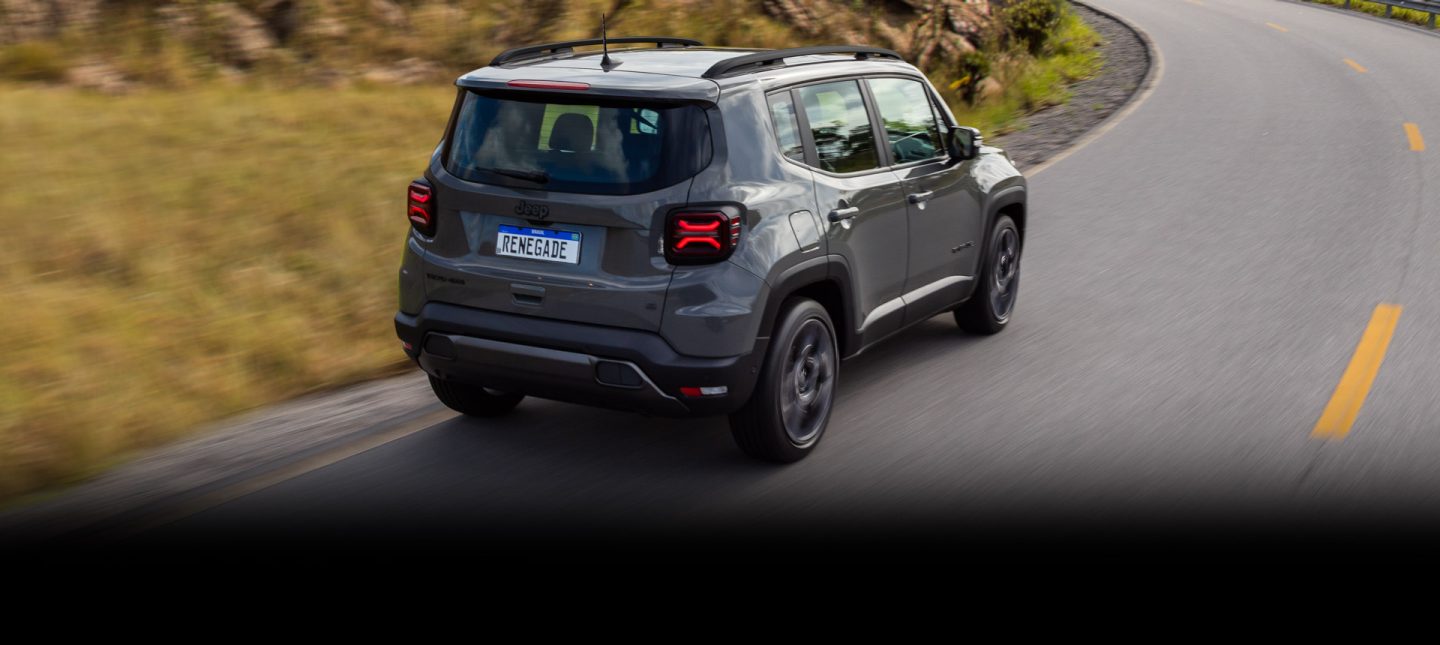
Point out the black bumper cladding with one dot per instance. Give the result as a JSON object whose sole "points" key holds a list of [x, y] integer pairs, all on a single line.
{"points": [[607, 367]]}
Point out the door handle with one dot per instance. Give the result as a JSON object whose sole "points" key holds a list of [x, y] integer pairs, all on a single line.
{"points": [[920, 198], [842, 214]]}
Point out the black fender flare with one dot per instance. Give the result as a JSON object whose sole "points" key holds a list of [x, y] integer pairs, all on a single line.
{"points": [[1008, 196], [820, 269]]}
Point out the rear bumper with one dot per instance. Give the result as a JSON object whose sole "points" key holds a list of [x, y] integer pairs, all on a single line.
{"points": [[608, 367]]}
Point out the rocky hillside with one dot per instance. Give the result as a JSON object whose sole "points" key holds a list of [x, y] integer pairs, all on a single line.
{"points": [[114, 45]]}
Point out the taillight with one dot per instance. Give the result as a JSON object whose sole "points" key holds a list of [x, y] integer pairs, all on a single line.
{"points": [[701, 236], [421, 207]]}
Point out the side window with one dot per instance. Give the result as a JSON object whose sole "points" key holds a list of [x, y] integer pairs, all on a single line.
{"points": [[941, 124], [787, 127], [910, 127], [644, 122], [841, 126], [939, 113]]}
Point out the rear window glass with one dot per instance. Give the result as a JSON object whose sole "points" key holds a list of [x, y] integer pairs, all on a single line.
{"points": [[611, 148]]}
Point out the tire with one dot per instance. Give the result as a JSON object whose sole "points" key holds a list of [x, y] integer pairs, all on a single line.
{"points": [[473, 400], [787, 414], [989, 309]]}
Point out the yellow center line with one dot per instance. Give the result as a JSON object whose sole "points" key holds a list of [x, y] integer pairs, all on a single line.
{"points": [[1355, 66], [1197, 3], [1349, 396], [1417, 142], [1275, 26]]}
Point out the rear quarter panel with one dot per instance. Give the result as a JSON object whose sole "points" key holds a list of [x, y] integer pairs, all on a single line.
{"points": [[716, 310]]}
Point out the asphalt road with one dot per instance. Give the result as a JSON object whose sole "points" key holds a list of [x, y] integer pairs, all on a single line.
{"points": [[1195, 285]]}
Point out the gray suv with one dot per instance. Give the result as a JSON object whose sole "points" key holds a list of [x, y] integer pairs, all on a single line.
{"points": [[688, 231]]}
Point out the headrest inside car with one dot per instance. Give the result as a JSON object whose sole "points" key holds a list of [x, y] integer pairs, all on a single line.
{"points": [[572, 133]]}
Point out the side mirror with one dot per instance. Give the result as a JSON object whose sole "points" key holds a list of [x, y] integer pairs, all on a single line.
{"points": [[965, 143]]}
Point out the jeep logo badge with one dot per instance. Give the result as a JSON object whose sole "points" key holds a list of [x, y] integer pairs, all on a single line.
{"points": [[533, 211]]}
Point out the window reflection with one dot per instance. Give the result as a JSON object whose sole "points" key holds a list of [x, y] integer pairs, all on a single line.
{"points": [[841, 126], [909, 121]]}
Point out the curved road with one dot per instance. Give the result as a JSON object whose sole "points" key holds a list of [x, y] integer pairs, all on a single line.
{"points": [[1196, 283]]}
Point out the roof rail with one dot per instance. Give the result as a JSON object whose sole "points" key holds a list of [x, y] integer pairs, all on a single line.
{"points": [[775, 58], [539, 51]]}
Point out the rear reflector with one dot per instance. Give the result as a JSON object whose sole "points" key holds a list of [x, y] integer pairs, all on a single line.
{"points": [[717, 390], [551, 85]]}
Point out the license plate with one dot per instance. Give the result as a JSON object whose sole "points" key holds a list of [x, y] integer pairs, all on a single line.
{"points": [[538, 244]]}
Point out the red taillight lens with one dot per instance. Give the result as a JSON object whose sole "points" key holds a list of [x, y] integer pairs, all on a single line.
{"points": [[421, 209], [698, 237]]}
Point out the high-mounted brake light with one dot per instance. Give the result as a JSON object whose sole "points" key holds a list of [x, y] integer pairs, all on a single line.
{"points": [[421, 207], [568, 86], [701, 236]]}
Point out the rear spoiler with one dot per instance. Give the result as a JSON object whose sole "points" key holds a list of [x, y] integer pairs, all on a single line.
{"points": [[601, 84]]}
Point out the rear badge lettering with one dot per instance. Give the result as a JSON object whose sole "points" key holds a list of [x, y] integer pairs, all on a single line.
{"points": [[442, 278], [536, 211]]}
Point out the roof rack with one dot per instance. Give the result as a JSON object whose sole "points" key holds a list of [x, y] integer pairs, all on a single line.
{"points": [[775, 58], [550, 49]]}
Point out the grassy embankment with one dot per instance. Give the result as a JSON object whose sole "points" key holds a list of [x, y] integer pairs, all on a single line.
{"points": [[1029, 83], [204, 246], [1377, 9]]}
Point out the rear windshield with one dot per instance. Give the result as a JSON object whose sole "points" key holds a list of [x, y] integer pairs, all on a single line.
{"points": [[600, 147]]}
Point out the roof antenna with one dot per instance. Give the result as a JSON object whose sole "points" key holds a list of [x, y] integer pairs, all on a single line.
{"points": [[604, 44]]}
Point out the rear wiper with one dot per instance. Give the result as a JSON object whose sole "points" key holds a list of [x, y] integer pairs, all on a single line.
{"points": [[537, 176]]}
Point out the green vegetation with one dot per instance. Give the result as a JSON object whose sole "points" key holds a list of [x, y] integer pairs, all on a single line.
{"points": [[1030, 23], [1378, 9], [208, 241], [1027, 83]]}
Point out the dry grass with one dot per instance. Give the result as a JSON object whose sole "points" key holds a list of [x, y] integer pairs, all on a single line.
{"points": [[174, 257]]}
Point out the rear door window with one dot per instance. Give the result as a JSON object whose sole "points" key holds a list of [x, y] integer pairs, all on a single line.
{"points": [[610, 147], [840, 126]]}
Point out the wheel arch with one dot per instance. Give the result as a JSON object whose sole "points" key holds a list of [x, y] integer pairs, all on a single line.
{"points": [[826, 280], [1009, 201]]}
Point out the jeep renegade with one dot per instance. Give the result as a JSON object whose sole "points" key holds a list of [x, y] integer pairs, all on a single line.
{"points": [[680, 230]]}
